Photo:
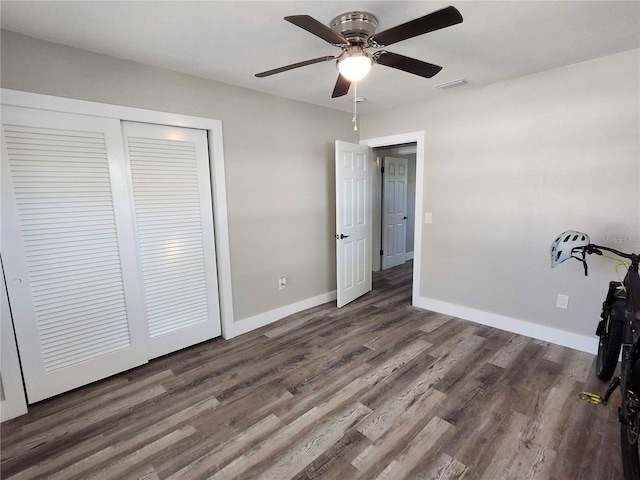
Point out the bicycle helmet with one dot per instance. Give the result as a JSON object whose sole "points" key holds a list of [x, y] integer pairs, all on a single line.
{"points": [[563, 246]]}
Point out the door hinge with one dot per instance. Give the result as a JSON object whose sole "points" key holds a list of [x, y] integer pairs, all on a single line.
{"points": [[381, 253], [382, 169]]}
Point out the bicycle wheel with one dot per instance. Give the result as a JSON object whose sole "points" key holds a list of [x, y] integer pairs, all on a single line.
{"points": [[629, 429], [610, 341]]}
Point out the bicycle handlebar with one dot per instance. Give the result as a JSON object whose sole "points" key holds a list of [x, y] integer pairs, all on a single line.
{"points": [[597, 249]]}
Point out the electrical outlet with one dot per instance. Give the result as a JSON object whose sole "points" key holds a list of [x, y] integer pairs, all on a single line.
{"points": [[282, 282], [562, 301]]}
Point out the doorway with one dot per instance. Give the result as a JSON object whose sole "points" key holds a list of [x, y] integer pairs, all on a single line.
{"points": [[403, 140], [394, 205]]}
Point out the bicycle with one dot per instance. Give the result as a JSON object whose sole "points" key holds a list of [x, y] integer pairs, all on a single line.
{"points": [[619, 327]]}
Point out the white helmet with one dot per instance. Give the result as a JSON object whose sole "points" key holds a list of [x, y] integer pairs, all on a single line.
{"points": [[563, 246]]}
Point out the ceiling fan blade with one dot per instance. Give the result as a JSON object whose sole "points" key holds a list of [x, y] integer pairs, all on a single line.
{"points": [[319, 29], [433, 21], [406, 64], [294, 65], [341, 88]]}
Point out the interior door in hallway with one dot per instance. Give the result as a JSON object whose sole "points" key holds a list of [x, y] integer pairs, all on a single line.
{"points": [[394, 212], [174, 226], [353, 221]]}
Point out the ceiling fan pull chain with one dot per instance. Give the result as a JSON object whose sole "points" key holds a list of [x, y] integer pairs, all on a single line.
{"points": [[355, 107]]}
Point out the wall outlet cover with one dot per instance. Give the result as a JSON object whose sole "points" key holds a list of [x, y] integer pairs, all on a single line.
{"points": [[562, 301]]}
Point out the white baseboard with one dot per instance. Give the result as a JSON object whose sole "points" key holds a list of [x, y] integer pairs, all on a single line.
{"points": [[257, 321], [522, 327], [514, 325]]}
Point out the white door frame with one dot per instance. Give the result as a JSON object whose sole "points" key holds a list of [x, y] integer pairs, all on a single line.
{"points": [[418, 139], [216, 159]]}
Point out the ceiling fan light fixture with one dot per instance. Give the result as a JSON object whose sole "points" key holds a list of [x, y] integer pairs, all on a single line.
{"points": [[355, 67], [354, 32]]}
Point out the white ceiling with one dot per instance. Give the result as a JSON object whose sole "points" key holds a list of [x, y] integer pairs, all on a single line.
{"points": [[230, 41]]}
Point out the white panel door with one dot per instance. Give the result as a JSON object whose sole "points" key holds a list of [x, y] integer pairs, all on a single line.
{"points": [[394, 212], [174, 224], [73, 289], [353, 221]]}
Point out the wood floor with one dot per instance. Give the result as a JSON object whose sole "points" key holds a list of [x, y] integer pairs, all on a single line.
{"points": [[377, 389]]}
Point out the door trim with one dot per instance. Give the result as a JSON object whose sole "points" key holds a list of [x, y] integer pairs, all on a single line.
{"points": [[216, 161], [418, 138]]}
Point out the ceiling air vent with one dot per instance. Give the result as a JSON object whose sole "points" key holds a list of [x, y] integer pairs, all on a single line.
{"points": [[452, 84]]}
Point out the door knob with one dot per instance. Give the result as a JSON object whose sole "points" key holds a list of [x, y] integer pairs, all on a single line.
{"points": [[404, 218], [341, 236]]}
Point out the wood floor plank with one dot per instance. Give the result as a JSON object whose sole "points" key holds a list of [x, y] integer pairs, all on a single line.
{"points": [[392, 390], [216, 428], [114, 449], [278, 442], [483, 438], [509, 352], [406, 404], [552, 420], [50, 443], [57, 463], [218, 457], [308, 448], [335, 461], [376, 389], [505, 450], [326, 388], [444, 468], [122, 467], [416, 449], [532, 461], [394, 432]]}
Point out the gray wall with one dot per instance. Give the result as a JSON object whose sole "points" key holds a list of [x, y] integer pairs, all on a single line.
{"points": [[507, 167], [278, 160], [511, 165]]}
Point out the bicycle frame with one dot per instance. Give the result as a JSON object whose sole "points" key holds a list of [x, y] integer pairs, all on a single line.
{"points": [[621, 314], [630, 376], [631, 280], [629, 379], [631, 336]]}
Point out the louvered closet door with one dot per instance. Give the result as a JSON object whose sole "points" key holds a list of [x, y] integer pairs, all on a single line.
{"points": [[73, 285], [174, 223]]}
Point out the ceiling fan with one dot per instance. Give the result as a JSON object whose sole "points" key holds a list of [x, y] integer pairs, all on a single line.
{"points": [[354, 33]]}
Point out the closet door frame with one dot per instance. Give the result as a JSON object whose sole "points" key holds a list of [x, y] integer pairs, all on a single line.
{"points": [[218, 186]]}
